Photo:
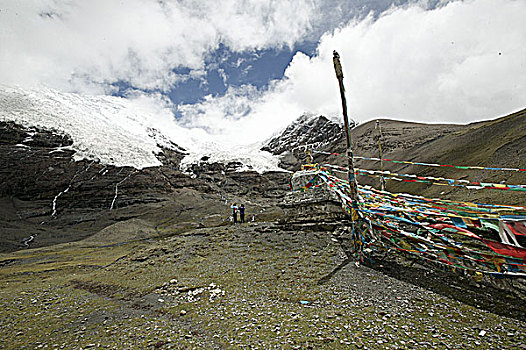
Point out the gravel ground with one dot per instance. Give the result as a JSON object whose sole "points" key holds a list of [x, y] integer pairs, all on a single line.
{"points": [[251, 286]]}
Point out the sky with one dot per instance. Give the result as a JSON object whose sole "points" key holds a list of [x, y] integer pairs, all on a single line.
{"points": [[241, 70]]}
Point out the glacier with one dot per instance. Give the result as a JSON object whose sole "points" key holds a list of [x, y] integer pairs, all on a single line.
{"points": [[123, 131]]}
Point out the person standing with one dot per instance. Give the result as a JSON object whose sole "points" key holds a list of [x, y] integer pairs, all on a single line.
{"points": [[234, 212], [242, 213]]}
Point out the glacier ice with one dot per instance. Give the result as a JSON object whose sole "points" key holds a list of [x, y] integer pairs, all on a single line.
{"points": [[120, 131]]}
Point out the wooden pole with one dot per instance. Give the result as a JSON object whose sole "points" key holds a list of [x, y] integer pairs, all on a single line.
{"points": [[347, 129], [308, 154], [382, 180]]}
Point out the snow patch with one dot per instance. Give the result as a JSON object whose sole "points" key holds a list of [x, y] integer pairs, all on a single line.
{"points": [[250, 156]]}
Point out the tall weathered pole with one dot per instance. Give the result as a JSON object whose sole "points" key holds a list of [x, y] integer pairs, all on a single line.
{"points": [[347, 129], [382, 180]]}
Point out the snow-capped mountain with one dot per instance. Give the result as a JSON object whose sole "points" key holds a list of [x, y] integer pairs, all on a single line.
{"points": [[122, 132], [71, 165], [48, 197], [307, 130]]}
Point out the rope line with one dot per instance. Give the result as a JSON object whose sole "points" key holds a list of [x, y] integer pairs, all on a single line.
{"points": [[464, 167], [472, 185]]}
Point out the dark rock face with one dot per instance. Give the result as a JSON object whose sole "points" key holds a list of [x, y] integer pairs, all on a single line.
{"points": [[44, 193], [317, 132], [225, 178], [47, 195], [34, 168]]}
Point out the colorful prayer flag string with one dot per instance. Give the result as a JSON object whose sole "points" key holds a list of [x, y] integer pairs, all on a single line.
{"points": [[455, 234], [440, 181], [464, 167]]}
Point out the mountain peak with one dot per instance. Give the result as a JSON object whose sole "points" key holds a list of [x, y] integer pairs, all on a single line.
{"points": [[308, 129]]}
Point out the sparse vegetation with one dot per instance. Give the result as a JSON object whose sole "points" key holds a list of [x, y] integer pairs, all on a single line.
{"points": [[164, 294]]}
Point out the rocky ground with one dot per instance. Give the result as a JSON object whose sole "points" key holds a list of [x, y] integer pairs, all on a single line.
{"points": [[255, 285]]}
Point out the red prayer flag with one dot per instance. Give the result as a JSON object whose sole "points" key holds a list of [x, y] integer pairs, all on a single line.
{"points": [[517, 227], [506, 249]]}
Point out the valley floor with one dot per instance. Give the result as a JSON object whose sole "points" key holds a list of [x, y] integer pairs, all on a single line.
{"points": [[245, 286]]}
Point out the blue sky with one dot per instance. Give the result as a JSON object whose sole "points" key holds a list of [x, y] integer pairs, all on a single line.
{"points": [[224, 67], [244, 69]]}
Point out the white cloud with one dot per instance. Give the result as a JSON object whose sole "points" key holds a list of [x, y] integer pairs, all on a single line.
{"points": [[459, 63], [86, 45]]}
